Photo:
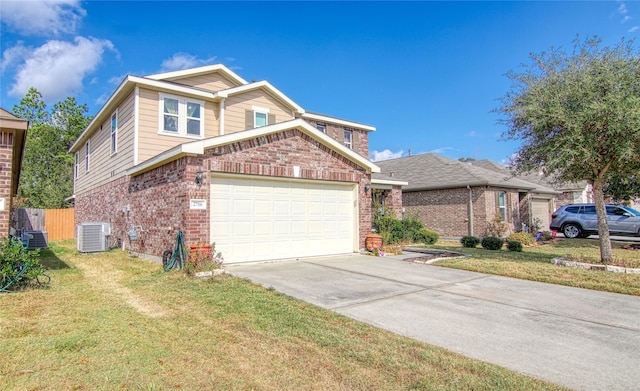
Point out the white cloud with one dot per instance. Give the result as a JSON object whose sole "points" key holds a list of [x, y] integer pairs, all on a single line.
{"points": [[13, 55], [184, 61], [57, 68], [441, 150], [376, 156], [42, 17], [633, 29]]}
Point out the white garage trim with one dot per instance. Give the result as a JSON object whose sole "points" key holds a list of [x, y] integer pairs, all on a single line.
{"points": [[257, 218]]}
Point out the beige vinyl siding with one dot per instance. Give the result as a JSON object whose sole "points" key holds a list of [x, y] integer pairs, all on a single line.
{"points": [[150, 142], [105, 166], [237, 105], [210, 82]]}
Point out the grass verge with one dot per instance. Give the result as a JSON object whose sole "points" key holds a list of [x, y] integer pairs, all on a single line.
{"points": [[534, 264], [110, 322]]}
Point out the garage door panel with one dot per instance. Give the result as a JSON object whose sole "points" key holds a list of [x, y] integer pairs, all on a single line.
{"points": [[272, 219]]}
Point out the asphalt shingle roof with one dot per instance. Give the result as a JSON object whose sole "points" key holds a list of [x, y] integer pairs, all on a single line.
{"points": [[430, 171]]}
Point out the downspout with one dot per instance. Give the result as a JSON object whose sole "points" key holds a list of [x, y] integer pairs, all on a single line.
{"points": [[470, 210], [222, 116]]}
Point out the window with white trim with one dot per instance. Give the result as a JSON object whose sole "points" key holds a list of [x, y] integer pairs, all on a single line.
{"points": [[114, 132], [322, 128], [76, 165], [347, 138], [260, 116], [502, 205], [87, 151], [181, 116]]}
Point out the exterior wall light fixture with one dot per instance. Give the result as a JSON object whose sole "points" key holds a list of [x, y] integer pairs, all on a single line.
{"points": [[199, 177]]}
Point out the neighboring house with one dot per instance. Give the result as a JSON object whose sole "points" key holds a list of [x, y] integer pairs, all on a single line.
{"points": [[13, 135], [227, 161], [457, 198]]}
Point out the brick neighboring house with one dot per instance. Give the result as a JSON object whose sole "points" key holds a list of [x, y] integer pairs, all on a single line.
{"points": [[226, 161], [13, 136], [457, 198]]}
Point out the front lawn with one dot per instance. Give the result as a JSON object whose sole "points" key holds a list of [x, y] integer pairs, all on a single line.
{"points": [[534, 264], [111, 322]]}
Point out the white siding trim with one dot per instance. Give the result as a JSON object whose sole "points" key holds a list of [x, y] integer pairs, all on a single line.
{"points": [[350, 124]]}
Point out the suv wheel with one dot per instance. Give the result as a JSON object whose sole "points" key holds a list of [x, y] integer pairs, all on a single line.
{"points": [[572, 231]]}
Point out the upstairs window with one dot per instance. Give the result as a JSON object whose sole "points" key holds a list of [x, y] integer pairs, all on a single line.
{"points": [[181, 116], [76, 165], [87, 151], [347, 139], [114, 132], [322, 128], [260, 116]]}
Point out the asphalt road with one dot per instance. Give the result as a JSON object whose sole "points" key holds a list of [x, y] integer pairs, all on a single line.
{"points": [[578, 338]]}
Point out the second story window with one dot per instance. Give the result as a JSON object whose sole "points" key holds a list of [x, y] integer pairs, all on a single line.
{"points": [[347, 139], [87, 151], [114, 132], [322, 128], [260, 116], [181, 116], [76, 164]]}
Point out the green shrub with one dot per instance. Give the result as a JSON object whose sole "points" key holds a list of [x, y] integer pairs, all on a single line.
{"points": [[396, 231], [17, 265], [427, 236], [522, 237], [546, 235], [492, 243], [469, 241], [513, 245]]}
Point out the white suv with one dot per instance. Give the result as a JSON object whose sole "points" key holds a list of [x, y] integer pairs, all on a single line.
{"points": [[580, 220]]}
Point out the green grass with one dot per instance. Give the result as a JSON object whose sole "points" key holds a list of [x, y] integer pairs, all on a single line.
{"points": [[110, 322], [534, 264]]}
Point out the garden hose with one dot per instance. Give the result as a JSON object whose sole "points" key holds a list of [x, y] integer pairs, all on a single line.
{"points": [[175, 260]]}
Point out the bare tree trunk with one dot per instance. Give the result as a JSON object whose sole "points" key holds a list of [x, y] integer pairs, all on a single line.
{"points": [[606, 253]]}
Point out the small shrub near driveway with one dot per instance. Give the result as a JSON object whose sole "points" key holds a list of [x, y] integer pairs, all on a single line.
{"points": [[469, 241], [492, 243]]}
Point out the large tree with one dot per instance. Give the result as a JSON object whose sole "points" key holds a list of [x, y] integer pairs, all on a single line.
{"points": [[578, 117], [47, 169]]}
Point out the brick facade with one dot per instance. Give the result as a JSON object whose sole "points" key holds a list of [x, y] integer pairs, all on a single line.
{"points": [[6, 158], [446, 211], [158, 200]]}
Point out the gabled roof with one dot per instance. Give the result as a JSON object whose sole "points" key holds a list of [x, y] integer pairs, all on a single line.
{"points": [[263, 85], [173, 75], [167, 82], [536, 178], [195, 148], [430, 171]]}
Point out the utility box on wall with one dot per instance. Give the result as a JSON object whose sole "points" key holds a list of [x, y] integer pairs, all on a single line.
{"points": [[92, 237]]}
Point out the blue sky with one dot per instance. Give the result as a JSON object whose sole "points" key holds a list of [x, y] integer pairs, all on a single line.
{"points": [[426, 74]]}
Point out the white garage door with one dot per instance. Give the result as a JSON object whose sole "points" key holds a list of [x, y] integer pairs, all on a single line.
{"points": [[254, 219], [541, 210]]}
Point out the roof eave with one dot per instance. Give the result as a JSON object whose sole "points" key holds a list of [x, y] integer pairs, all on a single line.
{"points": [[326, 118]]}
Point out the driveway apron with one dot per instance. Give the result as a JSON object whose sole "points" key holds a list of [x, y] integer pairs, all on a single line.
{"points": [[578, 338]]}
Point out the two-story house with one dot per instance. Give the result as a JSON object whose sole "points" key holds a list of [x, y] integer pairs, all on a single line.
{"points": [[224, 160]]}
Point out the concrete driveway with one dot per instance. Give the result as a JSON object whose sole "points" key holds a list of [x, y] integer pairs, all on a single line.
{"points": [[582, 339]]}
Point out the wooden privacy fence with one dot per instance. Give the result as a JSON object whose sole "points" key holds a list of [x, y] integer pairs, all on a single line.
{"points": [[58, 223]]}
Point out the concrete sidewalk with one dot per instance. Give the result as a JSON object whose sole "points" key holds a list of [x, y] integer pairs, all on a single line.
{"points": [[578, 338]]}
